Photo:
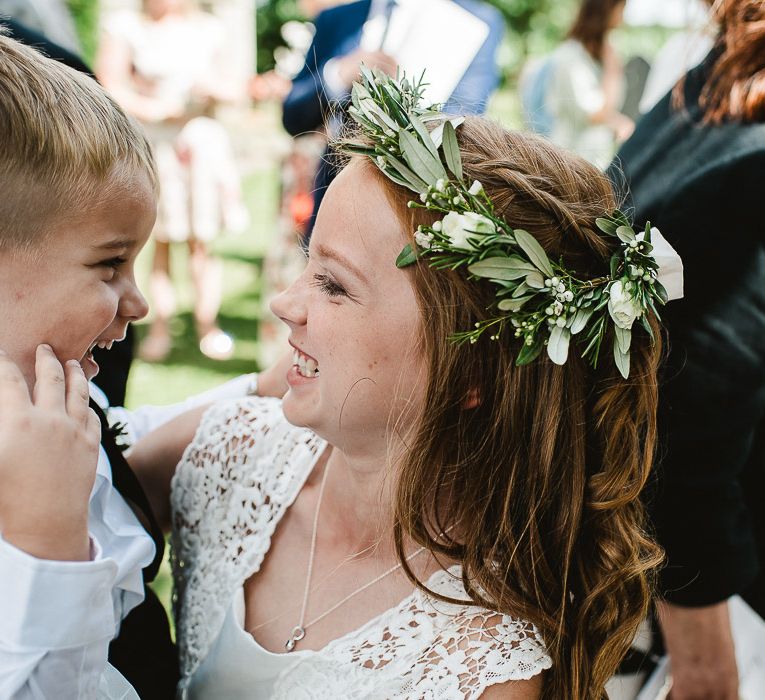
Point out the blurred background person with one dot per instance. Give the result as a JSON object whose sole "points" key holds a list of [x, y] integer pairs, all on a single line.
{"points": [[695, 167], [684, 50], [51, 18], [165, 66], [381, 34], [585, 86]]}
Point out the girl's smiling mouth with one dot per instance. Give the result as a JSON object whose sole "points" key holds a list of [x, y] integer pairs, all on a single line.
{"points": [[306, 365]]}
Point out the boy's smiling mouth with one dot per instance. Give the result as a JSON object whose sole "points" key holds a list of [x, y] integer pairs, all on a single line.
{"points": [[88, 362]]}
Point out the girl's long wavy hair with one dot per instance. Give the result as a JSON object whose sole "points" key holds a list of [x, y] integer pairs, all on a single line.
{"points": [[538, 485], [735, 89]]}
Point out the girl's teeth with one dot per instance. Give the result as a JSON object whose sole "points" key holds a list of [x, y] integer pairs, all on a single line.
{"points": [[306, 366]]}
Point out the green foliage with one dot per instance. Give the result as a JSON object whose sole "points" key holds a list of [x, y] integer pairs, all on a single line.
{"points": [[271, 15], [534, 27], [539, 301], [85, 15]]}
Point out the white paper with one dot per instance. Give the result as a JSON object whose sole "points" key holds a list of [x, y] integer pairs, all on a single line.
{"points": [[437, 36]]}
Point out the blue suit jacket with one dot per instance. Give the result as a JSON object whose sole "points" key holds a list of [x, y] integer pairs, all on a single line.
{"points": [[338, 33]]}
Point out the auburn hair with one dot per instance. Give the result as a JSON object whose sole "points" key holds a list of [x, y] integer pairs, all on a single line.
{"points": [[592, 24], [537, 486], [735, 89]]}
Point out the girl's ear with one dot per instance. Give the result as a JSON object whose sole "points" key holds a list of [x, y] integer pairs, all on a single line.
{"points": [[472, 400]]}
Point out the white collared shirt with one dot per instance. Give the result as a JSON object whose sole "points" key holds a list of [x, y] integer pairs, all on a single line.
{"points": [[57, 618]]}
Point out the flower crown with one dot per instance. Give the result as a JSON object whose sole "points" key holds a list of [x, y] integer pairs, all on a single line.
{"points": [[543, 303]]}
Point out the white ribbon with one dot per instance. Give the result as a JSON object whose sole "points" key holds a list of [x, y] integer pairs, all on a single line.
{"points": [[670, 272]]}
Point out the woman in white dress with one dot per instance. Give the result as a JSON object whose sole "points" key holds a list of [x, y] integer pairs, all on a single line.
{"points": [[419, 518], [586, 85], [167, 66]]}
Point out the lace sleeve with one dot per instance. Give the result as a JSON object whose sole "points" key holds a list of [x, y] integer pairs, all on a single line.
{"points": [[484, 648], [242, 470], [476, 649]]}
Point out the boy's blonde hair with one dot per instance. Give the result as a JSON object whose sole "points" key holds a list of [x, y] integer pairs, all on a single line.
{"points": [[65, 144]]}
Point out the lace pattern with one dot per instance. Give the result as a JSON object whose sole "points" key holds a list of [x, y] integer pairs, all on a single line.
{"points": [[244, 468]]}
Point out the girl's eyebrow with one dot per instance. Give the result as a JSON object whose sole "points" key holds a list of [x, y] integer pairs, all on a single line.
{"points": [[325, 252]]}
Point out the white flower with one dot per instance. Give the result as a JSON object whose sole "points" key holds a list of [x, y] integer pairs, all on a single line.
{"points": [[440, 184], [436, 226], [475, 188], [424, 240], [461, 228], [623, 308]]}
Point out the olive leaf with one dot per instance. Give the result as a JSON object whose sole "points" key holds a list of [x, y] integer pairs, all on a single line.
{"points": [[623, 338], [420, 159], [496, 269], [536, 253], [606, 225], [625, 233], [529, 353], [557, 346], [438, 133], [513, 304], [661, 292], [424, 135], [451, 150], [407, 256], [535, 280], [520, 290], [417, 184], [622, 360], [580, 320]]}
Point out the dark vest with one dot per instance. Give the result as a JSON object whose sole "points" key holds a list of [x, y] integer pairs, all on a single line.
{"points": [[143, 651]]}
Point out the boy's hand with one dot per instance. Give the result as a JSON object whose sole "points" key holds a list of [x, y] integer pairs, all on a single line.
{"points": [[48, 457]]}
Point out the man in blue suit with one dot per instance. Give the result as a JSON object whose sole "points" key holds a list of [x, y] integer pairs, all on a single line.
{"points": [[321, 91]]}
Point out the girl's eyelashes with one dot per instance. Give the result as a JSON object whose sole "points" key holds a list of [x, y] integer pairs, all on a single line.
{"points": [[328, 285]]}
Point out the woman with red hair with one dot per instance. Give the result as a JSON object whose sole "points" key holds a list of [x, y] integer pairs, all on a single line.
{"points": [[695, 167]]}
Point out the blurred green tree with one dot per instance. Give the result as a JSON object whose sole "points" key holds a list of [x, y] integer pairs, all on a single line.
{"points": [[85, 14], [270, 16], [534, 27]]}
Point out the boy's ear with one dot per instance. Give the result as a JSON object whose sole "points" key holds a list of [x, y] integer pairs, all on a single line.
{"points": [[472, 400]]}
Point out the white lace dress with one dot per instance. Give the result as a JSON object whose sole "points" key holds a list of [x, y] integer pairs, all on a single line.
{"points": [[244, 468]]}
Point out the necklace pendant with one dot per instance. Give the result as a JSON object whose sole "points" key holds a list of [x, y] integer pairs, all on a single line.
{"points": [[297, 634]]}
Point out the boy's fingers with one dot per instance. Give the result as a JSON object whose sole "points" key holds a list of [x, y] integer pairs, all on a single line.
{"points": [[50, 383], [77, 393], [13, 387], [93, 425]]}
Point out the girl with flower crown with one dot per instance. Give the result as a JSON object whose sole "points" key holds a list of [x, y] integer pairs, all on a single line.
{"points": [[419, 517]]}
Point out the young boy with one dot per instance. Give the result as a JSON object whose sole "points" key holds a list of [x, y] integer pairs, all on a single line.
{"points": [[77, 203]]}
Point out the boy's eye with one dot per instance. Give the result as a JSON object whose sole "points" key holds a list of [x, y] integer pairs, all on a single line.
{"points": [[328, 285], [113, 262]]}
